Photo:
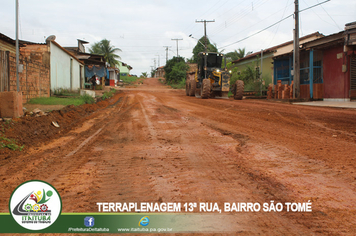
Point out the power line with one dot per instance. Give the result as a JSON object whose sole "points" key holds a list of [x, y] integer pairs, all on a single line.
{"points": [[330, 16], [284, 12], [272, 25], [256, 32], [227, 23]]}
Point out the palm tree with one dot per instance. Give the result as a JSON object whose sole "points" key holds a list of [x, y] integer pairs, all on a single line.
{"points": [[240, 53], [108, 51], [236, 54]]}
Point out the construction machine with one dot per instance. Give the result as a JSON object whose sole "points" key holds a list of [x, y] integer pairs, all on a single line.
{"points": [[211, 80]]}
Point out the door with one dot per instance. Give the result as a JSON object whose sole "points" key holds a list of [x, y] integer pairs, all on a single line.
{"points": [[4, 71], [353, 78]]}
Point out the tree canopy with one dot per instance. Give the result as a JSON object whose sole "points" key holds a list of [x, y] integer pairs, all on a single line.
{"points": [[236, 54], [107, 50], [176, 70], [201, 48]]}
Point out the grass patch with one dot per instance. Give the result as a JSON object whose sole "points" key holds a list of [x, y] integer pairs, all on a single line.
{"points": [[10, 144], [179, 85], [57, 101], [128, 79], [87, 99], [230, 94], [109, 94], [76, 101]]}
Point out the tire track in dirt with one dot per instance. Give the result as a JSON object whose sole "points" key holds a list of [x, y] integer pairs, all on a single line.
{"points": [[311, 177], [160, 146]]}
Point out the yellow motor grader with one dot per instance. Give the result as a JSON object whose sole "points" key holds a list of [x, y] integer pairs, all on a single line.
{"points": [[211, 80]]}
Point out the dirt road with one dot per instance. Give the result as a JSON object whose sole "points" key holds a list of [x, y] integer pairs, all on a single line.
{"points": [[154, 144]]}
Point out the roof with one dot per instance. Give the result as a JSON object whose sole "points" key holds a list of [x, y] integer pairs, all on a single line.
{"points": [[82, 41], [326, 41], [9, 40], [31, 43], [66, 51], [90, 58], [274, 48]]}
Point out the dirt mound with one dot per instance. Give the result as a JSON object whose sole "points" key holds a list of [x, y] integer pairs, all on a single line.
{"points": [[35, 131]]}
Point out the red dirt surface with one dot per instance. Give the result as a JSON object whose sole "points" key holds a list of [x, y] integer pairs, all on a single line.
{"points": [[193, 150]]}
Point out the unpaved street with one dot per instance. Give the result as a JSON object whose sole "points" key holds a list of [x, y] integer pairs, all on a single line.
{"points": [[154, 144]]}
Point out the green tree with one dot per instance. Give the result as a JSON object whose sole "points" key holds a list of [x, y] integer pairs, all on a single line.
{"points": [[176, 70], [153, 72], [236, 54], [107, 50], [144, 74], [201, 48]]}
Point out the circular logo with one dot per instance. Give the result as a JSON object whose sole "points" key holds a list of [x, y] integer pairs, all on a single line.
{"points": [[144, 221], [35, 205]]}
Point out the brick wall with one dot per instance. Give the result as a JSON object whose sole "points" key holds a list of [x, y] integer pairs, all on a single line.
{"points": [[34, 80]]}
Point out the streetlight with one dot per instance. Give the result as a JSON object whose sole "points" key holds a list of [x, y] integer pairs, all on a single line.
{"points": [[191, 36]]}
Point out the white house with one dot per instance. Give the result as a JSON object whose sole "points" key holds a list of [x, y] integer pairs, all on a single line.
{"points": [[67, 71]]}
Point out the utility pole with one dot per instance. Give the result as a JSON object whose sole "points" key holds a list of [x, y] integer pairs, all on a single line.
{"points": [[261, 70], [296, 62], [17, 47], [154, 60], [166, 52], [206, 39], [177, 46], [158, 60]]}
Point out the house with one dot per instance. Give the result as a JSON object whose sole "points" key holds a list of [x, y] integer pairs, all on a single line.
{"points": [[114, 75], [160, 72], [34, 69], [66, 70], [271, 56], [7, 51], [328, 66], [124, 68], [10, 100], [94, 64]]}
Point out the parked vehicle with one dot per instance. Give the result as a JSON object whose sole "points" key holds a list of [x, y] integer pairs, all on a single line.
{"points": [[211, 80]]}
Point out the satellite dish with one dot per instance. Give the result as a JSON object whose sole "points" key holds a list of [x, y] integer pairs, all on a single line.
{"points": [[50, 38]]}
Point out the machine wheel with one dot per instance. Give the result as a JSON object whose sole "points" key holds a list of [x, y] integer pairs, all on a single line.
{"points": [[205, 88], [197, 93], [187, 83], [193, 86], [238, 90]]}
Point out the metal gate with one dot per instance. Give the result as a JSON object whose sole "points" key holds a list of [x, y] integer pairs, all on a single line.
{"points": [[282, 68], [4, 71], [353, 78]]}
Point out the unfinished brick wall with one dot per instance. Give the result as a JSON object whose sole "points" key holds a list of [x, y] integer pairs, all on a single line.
{"points": [[35, 78]]}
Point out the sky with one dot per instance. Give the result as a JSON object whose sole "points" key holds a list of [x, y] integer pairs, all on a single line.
{"points": [[142, 28]]}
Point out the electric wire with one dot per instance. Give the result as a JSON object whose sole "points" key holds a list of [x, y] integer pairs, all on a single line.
{"points": [[318, 15], [272, 25], [284, 12], [249, 27], [232, 20], [330, 17], [256, 32]]}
